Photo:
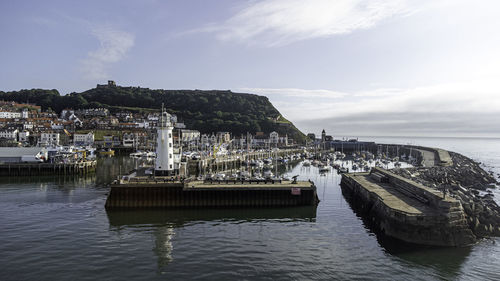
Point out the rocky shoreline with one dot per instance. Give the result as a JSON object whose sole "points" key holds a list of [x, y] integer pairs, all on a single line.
{"points": [[468, 182]]}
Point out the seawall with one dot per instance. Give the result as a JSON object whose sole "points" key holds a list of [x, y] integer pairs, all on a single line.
{"points": [[41, 169], [199, 194], [408, 211]]}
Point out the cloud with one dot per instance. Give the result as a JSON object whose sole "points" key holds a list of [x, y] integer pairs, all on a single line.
{"points": [[468, 108], [281, 22], [114, 44]]}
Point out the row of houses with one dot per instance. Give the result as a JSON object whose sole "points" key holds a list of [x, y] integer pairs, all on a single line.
{"points": [[28, 125]]}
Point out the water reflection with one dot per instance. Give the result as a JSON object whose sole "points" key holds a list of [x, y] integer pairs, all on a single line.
{"points": [[165, 221], [163, 245], [179, 217], [447, 261]]}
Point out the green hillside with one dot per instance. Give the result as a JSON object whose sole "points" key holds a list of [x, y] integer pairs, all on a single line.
{"points": [[206, 111]]}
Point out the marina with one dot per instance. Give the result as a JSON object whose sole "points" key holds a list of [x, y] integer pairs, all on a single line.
{"points": [[332, 239], [250, 140]]}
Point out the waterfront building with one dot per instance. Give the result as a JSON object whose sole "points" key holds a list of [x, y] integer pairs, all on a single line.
{"points": [[23, 136], [83, 139], [22, 154], [9, 134], [223, 136], [49, 139], [273, 138], [189, 135], [129, 139], [110, 141], [260, 141]]}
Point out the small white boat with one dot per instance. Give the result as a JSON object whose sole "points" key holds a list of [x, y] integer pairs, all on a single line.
{"points": [[324, 169], [220, 176], [268, 174]]}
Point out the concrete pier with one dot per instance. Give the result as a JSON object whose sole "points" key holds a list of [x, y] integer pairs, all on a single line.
{"points": [[408, 211], [163, 193], [40, 169]]}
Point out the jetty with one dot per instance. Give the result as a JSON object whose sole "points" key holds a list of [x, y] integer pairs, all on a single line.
{"points": [[167, 192], [40, 169], [406, 210]]}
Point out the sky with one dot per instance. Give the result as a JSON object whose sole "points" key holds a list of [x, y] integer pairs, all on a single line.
{"points": [[351, 67]]}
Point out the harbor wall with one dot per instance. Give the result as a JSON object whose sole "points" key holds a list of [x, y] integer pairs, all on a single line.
{"points": [[40, 169], [178, 195], [446, 225], [441, 156]]}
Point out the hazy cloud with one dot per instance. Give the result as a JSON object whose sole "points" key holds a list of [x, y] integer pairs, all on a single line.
{"points": [[280, 22], [114, 44], [458, 108]]}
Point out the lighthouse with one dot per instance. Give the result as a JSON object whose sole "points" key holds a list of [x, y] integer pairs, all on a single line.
{"points": [[164, 165]]}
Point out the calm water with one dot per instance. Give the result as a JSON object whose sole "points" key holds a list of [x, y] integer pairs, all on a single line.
{"points": [[55, 229]]}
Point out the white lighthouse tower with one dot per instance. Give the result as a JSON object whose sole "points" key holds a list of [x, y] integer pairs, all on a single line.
{"points": [[164, 165]]}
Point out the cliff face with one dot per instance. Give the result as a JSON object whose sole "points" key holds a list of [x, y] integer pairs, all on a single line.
{"points": [[206, 111]]}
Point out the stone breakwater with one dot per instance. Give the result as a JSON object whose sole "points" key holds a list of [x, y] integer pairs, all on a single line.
{"points": [[406, 210], [465, 180]]}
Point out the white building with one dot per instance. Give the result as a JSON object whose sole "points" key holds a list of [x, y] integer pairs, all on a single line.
{"points": [[10, 115], [24, 136], [142, 124], [9, 134], [28, 125], [205, 140], [49, 139], [129, 139], [223, 137], [25, 113], [189, 135], [153, 117], [22, 154], [273, 138], [164, 164], [83, 139]]}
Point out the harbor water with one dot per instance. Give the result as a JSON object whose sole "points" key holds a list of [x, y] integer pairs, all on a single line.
{"points": [[57, 229]]}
